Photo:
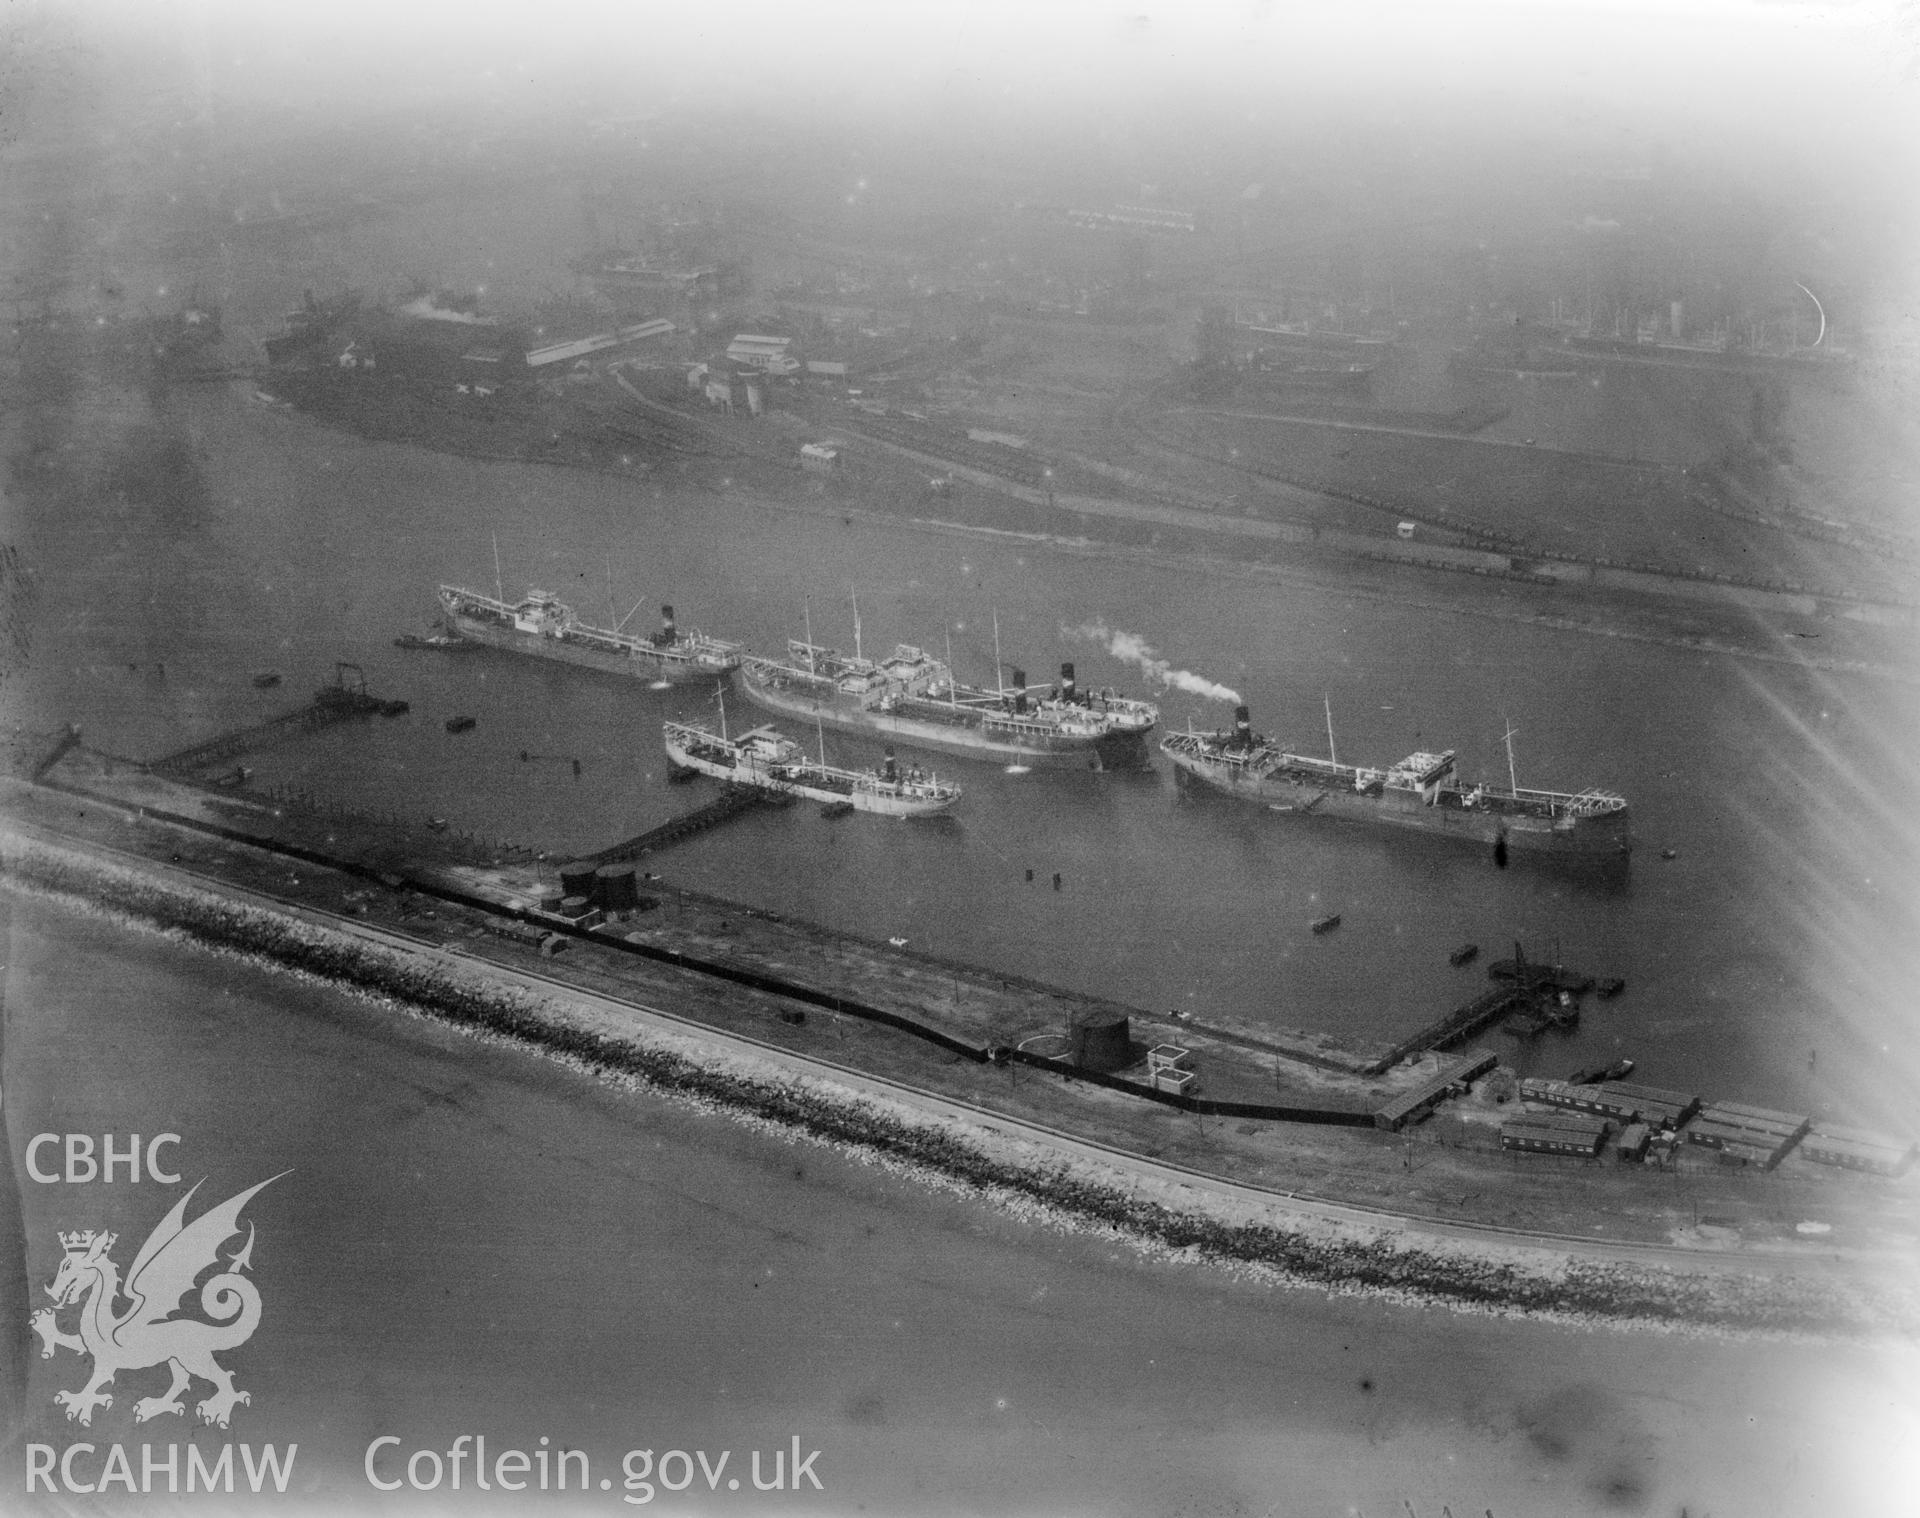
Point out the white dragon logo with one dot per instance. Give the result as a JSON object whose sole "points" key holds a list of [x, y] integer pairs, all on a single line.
{"points": [[147, 1333]]}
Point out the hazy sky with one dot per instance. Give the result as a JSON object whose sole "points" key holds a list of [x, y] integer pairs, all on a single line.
{"points": [[1812, 106], [1766, 62]]}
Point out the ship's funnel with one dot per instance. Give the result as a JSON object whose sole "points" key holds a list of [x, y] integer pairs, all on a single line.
{"points": [[1019, 690], [1242, 728], [889, 770], [666, 622], [1067, 693]]}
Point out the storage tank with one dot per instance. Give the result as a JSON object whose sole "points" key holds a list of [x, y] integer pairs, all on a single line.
{"points": [[576, 880], [615, 887], [1098, 1040], [575, 906]]}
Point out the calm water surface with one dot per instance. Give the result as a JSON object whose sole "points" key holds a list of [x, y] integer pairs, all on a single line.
{"points": [[1772, 959]]}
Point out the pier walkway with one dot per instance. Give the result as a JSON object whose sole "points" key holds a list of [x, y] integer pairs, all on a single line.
{"points": [[331, 704], [1462, 1022], [730, 803]]}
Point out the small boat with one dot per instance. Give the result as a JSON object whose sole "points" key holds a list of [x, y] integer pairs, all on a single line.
{"points": [[432, 640], [461, 724], [437, 824], [898, 943], [266, 680], [1464, 955], [1611, 987], [1619, 1070], [1669, 853], [1326, 924]]}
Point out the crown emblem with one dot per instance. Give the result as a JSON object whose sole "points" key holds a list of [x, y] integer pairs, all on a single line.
{"points": [[82, 1243]]}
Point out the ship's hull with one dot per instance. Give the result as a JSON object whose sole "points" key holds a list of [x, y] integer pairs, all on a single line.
{"points": [[1599, 836], [640, 662], [970, 733], [878, 799]]}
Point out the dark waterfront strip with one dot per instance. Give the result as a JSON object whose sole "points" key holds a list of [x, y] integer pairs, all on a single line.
{"points": [[1349, 1117], [1565, 1285]]}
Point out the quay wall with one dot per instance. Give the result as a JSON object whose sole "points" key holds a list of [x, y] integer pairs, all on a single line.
{"points": [[429, 884], [1536, 1280]]}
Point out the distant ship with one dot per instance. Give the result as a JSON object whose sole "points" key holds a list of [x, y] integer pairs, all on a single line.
{"points": [[1294, 372], [772, 761], [1421, 791], [309, 325], [542, 625], [914, 697]]}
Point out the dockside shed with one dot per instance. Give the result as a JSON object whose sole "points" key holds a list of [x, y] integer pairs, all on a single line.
{"points": [[1752, 1144], [1593, 1099], [1580, 1136], [1411, 1103], [1654, 1100], [1631, 1142], [1855, 1149], [1760, 1120]]}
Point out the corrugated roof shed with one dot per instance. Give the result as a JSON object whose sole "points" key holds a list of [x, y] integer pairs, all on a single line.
{"points": [[1397, 1113]]}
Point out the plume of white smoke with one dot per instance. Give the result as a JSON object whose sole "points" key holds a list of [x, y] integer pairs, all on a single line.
{"points": [[1133, 649]]}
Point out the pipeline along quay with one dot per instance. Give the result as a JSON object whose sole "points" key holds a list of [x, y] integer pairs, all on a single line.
{"points": [[1337, 1163]]}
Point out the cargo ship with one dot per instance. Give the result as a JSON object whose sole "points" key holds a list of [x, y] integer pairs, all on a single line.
{"points": [[1422, 791], [544, 626], [913, 697], [309, 325], [769, 759]]}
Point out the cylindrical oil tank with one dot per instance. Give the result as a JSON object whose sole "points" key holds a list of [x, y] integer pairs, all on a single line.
{"points": [[576, 880], [1098, 1040], [575, 906], [615, 888], [549, 901]]}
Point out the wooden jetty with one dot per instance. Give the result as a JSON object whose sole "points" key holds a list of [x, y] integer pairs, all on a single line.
{"points": [[730, 803], [1461, 1023], [340, 702]]}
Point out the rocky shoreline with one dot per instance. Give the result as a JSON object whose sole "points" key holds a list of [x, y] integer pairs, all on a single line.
{"points": [[1495, 1276]]}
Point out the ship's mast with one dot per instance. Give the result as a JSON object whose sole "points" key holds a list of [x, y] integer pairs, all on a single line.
{"points": [[1513, 779], [1332, 753], [806, 620], [953, 698], [720, 694], [820, 736], [999, 669], [856, 623], [499, 592]]}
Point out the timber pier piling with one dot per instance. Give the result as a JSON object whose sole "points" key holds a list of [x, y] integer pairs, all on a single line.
{"points": [[343, 701], [730, 803]]}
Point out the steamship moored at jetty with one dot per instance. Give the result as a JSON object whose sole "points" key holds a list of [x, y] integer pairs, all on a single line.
{"points": [[542, 625], [769, 759], [914, 697], [1421, 791]]}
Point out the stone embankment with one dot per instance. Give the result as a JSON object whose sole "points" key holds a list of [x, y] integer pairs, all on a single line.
{"points": [[1205, 1224]]}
